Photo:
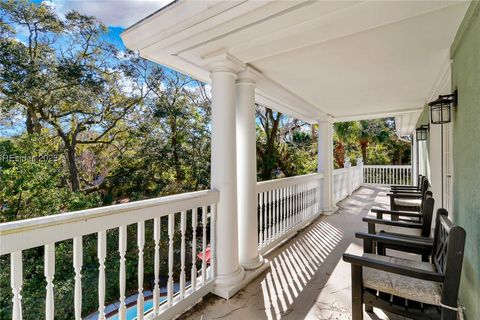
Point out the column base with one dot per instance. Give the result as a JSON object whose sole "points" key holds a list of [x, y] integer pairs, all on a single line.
{"points": [[228, 291], [329, 211], [252, 264]]}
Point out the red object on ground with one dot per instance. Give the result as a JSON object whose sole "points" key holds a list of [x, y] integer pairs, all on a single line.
{"points": [[207, 255]]}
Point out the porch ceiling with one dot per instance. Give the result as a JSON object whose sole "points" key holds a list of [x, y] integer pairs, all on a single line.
{"points": [[349, 59]]}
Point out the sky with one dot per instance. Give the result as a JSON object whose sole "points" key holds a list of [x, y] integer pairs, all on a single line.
{"points": [[116, 14]]}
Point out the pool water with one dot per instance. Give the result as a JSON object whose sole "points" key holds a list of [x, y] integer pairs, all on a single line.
{"points": [[132, 311]]}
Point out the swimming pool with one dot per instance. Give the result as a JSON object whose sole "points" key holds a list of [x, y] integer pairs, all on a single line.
{"points": [[132, 311]]}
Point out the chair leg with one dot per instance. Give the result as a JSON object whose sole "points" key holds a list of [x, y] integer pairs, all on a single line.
{"points": [[425, 258], [357, 293], [381, 251], [448, 314]]}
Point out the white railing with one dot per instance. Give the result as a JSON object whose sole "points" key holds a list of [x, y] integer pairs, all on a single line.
{"points": [[171, 216], [346, 180], [387, 175], [284, 206]]}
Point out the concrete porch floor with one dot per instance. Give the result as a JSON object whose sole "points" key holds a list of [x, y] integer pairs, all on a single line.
{"points": [[307, 278]]}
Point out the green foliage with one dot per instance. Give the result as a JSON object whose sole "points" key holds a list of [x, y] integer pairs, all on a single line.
{"points": [[375, 141], [285, 146]]}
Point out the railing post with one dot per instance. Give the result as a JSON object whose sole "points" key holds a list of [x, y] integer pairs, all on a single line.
{"points": [[360, 168], [325, 163], [349, 168]]}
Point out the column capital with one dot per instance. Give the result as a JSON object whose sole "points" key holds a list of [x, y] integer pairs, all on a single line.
{"points": [[325, 118], [223, 62], [249, 76]]}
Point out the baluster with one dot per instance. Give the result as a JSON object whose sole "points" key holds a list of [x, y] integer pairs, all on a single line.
{"points": [[194, 248], [204, 245], [102, 252], [171, 232], [270, 216], [260, 218], [213, 248], [122, 250], [183, 227], [297, 203], [284, 209], [264, 213], [16, 280], [275, 212], [304, 202], [77, 266], [287, 208], [279, 212], [49, 273], [141, 245], [294, 205], [156, 264]]}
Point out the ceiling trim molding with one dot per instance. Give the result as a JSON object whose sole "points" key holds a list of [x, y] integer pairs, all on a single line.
{"points": [[377, 115]]}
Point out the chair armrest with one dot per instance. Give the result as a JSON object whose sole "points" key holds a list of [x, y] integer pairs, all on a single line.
{"points": [[404, 195], [393, 268], [389, 239], [412, 225], [406, 191], [405, 187], [397, 213]]}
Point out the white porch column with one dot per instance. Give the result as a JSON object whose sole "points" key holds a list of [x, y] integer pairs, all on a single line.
{"points": [[224, 177], [325, 163], [247, 171]]}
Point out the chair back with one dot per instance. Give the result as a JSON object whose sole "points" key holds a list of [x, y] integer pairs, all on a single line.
{"points": [[427, 211], [420, 180], [425, 185], [447, 255]]}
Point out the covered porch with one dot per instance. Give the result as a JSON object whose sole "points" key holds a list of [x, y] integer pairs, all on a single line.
{"points": [[274, 248]]}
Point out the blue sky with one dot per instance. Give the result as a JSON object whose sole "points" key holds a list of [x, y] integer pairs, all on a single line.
{"points": [[116, 14]]}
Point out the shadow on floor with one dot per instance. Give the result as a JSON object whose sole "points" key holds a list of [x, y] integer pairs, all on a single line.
{"points": [[307, 278]]}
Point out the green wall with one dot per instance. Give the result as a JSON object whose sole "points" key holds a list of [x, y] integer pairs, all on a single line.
{"points": [[465, 53]]}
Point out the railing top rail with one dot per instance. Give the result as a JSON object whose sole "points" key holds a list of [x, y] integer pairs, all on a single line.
{"points": [[29, 233], [341, 170], [388, 166], [285, 182]]}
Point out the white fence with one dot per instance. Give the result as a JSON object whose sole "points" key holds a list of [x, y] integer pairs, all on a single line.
{"points": [[387, 175], [346, 180], [284, 206], [194, 212]]}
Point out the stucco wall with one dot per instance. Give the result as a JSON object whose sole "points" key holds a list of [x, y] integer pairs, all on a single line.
{"points": [[466, 147]]}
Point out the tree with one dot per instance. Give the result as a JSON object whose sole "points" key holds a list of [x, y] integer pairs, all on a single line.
{"points": [[267, 142], [371, 132], [344, 136], [68, 79], [284, 145]]}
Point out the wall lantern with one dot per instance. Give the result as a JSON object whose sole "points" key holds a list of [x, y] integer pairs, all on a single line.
{"points": [[441, 109], [422, 133]]}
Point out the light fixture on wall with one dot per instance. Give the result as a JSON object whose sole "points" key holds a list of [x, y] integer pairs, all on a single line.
{"points": [[422, 132], [441, 113], [441, 109]]}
